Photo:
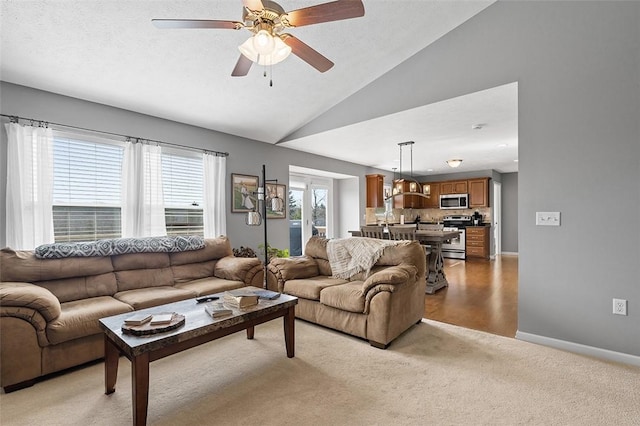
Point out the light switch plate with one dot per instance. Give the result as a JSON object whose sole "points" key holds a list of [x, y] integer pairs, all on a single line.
{"points": [[548, 218]]}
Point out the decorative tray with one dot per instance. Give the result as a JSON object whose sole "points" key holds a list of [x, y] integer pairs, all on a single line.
{"points": [[177, 320]]}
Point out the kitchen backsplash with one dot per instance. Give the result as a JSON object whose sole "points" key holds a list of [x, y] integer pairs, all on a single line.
{"points": [[375, 216]]}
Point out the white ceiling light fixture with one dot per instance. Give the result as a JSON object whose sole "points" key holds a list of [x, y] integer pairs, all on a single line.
{"points": [[264, 49], [454, 162]]}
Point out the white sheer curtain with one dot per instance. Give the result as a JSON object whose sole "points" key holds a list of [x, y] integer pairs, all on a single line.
{"points": [[29, 186], [142, 195], [215, 211]]}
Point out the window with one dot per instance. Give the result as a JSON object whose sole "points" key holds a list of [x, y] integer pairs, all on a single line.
{"points": [[86, 189], [182, 184]]}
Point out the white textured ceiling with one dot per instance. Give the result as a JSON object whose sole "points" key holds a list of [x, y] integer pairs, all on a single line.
{"points": [[441, 131], [109, 52]]}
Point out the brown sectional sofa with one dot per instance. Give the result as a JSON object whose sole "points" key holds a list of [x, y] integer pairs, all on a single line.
{"points": [[49, 308], [377, 307]]}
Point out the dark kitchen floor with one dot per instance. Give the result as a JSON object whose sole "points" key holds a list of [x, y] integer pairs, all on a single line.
{"points": [[482, 295]]}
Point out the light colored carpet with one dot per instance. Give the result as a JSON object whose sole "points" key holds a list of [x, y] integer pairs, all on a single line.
{"points": [[434, 374]]}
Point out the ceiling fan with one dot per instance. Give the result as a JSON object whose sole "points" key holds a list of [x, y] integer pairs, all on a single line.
{"points": [[267, 20]]}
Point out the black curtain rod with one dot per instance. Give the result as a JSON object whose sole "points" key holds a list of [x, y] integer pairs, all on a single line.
{"points": [[44, 123]]}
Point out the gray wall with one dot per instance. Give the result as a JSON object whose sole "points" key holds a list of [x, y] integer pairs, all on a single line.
{"points": [[577, 65], [246, 156], [510, 212]]}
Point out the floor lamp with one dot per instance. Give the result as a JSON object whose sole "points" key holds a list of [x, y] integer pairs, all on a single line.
{"points": [[259, 217]]}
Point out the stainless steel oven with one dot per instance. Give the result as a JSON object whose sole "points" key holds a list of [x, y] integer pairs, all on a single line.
{"points": [[456, 248]]}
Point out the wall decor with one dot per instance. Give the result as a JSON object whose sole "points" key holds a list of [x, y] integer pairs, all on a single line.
{"points": [[276, 200], [243, 193]]}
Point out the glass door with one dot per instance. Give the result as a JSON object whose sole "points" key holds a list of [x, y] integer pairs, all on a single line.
{"points": [[319, 200], [309, 211], [296, 197]]}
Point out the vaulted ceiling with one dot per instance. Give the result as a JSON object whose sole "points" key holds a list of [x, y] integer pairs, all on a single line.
{"points": [[109, 52]]}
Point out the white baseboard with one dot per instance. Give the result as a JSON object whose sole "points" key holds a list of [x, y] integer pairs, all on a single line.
{"points": [[579, 348], [510, 253]]}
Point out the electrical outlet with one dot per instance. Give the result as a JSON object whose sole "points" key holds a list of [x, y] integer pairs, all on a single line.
{"points": [[548, 218], [619, 306]]}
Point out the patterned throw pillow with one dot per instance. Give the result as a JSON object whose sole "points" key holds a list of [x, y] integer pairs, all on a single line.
{"points": [[120, 246]]}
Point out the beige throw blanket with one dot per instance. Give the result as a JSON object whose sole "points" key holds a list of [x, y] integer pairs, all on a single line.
{"points": [[350, 256]]}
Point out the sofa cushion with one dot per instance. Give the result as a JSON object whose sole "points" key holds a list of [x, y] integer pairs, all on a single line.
{"points": [[22, 265], [153, 296], [193, 271], [209, 285], [143, 278], [77, 288], [79, 318], [316, 248], [125, 262], [311, 288], [214, 248], [346, 297]]}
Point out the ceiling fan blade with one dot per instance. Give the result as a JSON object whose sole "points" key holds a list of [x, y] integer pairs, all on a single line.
{"points": [[253, 4], [326, 12], [196, 23], [242, 66], [306, 53]]}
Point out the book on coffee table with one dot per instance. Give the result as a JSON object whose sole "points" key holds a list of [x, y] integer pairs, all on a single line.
{"points": [[267, 294], [164, 318], [217, 309], [138, 319], [240, 298]]}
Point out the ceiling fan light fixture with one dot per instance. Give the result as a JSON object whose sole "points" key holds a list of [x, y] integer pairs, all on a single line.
{"points": [[263, 42], [454, 162], [279, 53]]}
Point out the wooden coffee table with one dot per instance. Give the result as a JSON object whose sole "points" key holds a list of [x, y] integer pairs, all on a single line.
{"points": [[199, 328]]}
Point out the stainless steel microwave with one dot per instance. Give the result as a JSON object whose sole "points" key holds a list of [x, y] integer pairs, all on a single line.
{"points": [[454, 201]]}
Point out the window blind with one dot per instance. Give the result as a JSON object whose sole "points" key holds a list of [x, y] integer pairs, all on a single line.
{"points": [[86, 190], [183, 183]]}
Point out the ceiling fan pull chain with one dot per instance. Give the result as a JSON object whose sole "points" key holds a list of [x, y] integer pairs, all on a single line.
{"points": [[271, 75]]}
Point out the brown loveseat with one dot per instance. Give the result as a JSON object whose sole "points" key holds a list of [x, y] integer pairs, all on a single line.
{"points": [[49, 308], [377, 307]]}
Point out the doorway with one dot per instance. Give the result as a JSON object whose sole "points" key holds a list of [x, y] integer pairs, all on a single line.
{"points": [[309, 211], [497, 218]]}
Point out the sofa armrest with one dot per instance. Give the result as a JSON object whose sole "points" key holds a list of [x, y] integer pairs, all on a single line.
{"points": [[26, 295], [388, 280], [238, 268], [291, 268], [390, 277]]}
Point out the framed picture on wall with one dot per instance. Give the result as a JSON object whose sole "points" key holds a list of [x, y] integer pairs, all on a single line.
{"points": [[243, 193], [276, 199]]}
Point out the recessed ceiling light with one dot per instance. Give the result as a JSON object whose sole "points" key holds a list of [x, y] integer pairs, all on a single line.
{"points": [[502, 145], [515, 161]]}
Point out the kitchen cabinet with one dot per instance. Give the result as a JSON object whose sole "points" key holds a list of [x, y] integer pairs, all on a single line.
{"points": [[375, 190], [454, 187], [433, 202], [478, 192], [477, 241], [408, 199]]}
